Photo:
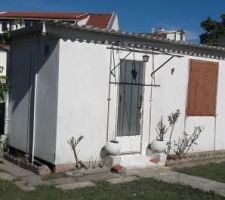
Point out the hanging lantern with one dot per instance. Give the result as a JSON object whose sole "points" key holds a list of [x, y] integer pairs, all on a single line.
{"points": [[145, 58]]}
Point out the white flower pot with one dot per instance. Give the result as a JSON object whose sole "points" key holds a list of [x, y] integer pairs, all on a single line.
{"points": [[113, 147], [158, 146]]}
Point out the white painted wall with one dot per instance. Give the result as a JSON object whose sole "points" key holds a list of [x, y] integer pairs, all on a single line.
{"points": [[115, 25], [83, 92], [172, 95], [82, 99], [3, 61]]}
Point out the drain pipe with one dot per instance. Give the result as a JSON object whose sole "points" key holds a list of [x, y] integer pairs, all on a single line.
{"points": [[34, 110], [6, 118], [151, 94], [34, 120], [109, 98]]}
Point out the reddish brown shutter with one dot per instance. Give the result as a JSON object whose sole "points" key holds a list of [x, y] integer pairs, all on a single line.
{"points": [[202, 89]]}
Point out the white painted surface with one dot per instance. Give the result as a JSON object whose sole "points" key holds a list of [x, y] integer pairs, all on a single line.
{"points": [[115, 25], [82, 99], [83, 85], [82, 105], [138, 162], [3, 60], [130, 144], [172, 95]]}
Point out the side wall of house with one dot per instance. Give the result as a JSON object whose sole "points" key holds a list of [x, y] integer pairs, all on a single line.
{"points": [[82, 99], [32, 101], [172, 95]]}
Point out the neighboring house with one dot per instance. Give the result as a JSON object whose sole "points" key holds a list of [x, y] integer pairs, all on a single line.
{"points": [[71, 81], [173, 35], [16, 20]]}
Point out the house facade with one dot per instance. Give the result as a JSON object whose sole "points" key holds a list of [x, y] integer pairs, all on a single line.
{"points": [[71, 81]]}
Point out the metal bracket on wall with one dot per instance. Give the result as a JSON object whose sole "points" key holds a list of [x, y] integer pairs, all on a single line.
{"points": [[162, 65]]}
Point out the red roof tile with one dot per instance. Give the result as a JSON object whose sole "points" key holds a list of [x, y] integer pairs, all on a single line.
{"points": [[100, 20]]}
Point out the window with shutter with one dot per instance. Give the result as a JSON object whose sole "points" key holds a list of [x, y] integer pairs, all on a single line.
{"points": [[202, 88]]}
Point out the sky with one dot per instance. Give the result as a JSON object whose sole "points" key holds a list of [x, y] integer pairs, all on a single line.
{"points": [[135, 15]]}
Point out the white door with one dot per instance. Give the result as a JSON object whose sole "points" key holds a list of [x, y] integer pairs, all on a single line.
{"points": [[129, 124]]}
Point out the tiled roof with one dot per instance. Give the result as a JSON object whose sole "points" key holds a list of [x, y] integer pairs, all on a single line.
{"points": [[100, 20]]}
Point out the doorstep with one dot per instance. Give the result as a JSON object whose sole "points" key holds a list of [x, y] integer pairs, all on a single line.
{"points": [[135, 161]]}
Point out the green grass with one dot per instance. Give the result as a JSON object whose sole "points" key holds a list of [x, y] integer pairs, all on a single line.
{"points": [[213, 171], [141, 189]]}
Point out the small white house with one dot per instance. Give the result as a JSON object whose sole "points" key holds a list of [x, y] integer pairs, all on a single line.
{"points": [[71, 81]]}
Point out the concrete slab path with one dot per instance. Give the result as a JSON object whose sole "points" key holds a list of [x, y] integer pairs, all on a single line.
{"points": [[166, 175], [27, 180]]}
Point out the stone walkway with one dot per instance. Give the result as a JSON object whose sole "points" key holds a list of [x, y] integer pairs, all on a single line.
{"points": [[28, 181], [168, 176]]}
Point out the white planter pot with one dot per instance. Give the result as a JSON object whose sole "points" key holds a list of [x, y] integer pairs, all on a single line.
{"points": [[113, 147], [158, 146]]}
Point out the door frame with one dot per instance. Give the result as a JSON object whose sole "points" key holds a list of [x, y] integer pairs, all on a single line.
{"points": [[122, 139]]}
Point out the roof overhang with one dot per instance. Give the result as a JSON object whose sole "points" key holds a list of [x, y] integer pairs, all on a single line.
{"points": [[73, 32]]}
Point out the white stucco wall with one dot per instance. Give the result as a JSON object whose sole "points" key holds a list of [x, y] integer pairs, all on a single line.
{"points": [[83, 91], [3, 61], [172, 95], [115, 25], [82, 99]]}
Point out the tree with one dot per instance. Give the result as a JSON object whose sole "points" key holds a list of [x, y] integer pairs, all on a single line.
{"points": [[214, 31]]}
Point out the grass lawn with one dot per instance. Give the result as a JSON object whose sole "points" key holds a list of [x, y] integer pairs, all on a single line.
{"points": [[141, 189], [213, 171]]}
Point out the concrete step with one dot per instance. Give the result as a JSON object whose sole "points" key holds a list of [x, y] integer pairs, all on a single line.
{"points": [[138, 162]]}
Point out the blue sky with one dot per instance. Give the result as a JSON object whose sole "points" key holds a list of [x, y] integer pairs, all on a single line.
{"points": [[134, 15]]}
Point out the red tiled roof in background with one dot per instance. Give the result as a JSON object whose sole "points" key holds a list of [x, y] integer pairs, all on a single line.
{"points": [[100, 20]]}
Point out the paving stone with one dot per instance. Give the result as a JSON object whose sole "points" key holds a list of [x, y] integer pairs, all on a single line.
{"points": [[24, 186], [77, 185], [6, 176], [97, 177], [61, 181], [122, 179], [169, 176], [15, 169]]}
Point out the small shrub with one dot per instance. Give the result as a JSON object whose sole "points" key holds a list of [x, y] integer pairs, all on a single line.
{"points": [[73, 142], [183, 145]]}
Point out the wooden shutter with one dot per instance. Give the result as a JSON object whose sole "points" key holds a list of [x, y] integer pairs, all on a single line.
{"points": [[202, 89]]}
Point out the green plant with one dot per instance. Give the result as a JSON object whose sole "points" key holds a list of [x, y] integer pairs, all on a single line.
{"points": [[73, 142], [161, 130]]}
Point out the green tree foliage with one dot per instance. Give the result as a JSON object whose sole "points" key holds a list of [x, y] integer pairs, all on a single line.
{"points": [[214, 31]]}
